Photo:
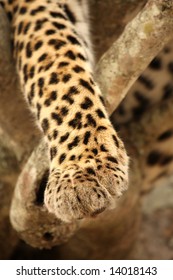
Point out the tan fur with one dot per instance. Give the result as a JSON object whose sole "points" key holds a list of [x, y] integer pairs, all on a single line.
{"points": [[88, 162]]}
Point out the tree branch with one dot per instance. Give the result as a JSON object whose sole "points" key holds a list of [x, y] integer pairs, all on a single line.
{"points": [[128, 57]]}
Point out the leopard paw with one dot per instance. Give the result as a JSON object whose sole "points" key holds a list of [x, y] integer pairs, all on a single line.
{"points": [[78, 192]]}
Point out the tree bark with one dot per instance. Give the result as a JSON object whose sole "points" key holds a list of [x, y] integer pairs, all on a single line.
{"points": [[140, 42]]}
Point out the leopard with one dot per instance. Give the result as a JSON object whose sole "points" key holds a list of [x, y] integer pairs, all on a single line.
{"points": [[54, 58]]}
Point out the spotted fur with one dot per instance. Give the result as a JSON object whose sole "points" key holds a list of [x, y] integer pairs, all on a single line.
{"points": [[53, 53], [153, 87]]}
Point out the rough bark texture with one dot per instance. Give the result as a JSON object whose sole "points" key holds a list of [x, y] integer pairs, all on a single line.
{"points": [[117, 230], [141, 40]]}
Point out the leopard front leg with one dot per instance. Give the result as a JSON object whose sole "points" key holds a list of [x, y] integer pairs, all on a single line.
{"points": [[88, 167], [88, 162]]}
